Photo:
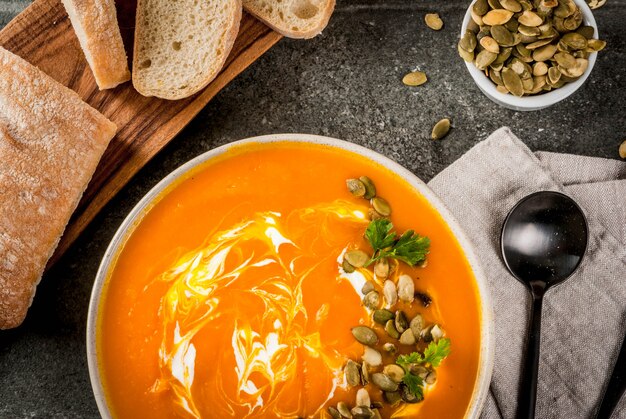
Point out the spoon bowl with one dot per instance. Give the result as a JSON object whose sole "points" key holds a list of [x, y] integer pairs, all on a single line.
{"points": [[543, 241]]}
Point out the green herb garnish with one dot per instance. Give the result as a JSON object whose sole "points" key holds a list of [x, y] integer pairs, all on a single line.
{"points": [[436, 352], [410, 248], [415, 384]]}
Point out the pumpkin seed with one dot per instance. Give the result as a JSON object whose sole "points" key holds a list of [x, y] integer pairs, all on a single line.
{"points": [[540, 69], [468, 41], [384, 382], [579, 68], [381, 206], [389, 347], [372, 357], [347, 267], [480, 7], [431, 377], [554, 75], [370, 189], [596, 44], [363, 398], [544, 53], [381, 268], [401, 323], [414, 78], [511, 5], [383, 316], [574, 40], [502, 35], [344, 410], [367, 287], [586, 31], [502, 89], [436, 333], [419, 370], [497, 17], [373, 215], [490, 44], [407, 337], [372, 300], [356, 258], [529, 30], [416, 325], [406, 288], [365, 335], [395, 372], [622, 149], [351, 371], [392, 397], [391, 330], [476, 18], [433, 21], [390, 293], [334, 413], [466, 55], [512, 82], [365, 374], [528, 18], [494, 4], [565, 60], [362, 412], [356, 187]]}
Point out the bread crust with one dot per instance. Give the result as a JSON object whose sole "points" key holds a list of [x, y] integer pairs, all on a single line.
{"points": [[95, 24], [280, 27], [138, 79], [50, 144]]}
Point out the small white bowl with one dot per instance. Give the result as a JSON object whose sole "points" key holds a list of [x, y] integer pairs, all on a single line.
{"points": [[535, 102]]}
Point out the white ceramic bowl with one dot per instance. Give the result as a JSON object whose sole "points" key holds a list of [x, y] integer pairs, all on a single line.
{"points": [[483, 379], [535, 102]]}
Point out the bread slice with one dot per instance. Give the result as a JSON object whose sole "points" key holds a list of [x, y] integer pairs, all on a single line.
{"points": [[180, 46], [95, 24], [50, 144], [293, 18]]}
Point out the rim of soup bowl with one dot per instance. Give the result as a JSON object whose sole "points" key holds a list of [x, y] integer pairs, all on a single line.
{"points": [[133, 219]]}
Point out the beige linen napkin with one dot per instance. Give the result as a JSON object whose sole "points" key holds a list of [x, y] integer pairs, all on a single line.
{"points": [[584, 319]]}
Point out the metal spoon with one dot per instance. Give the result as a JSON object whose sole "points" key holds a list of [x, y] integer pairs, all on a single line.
{"points": [[543, 241]]}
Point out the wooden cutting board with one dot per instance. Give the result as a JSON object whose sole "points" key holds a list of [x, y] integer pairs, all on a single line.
{"points": [[43, 35]]}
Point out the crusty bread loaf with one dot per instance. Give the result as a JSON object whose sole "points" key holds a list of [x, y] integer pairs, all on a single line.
{"points": [[50, 144], [95, 24], [293, 18], [180, 46]]}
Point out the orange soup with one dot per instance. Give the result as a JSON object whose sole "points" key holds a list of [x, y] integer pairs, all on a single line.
{"points": [[229, 297]]}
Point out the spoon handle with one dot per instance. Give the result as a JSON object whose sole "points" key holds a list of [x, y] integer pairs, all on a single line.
{"points": [[528, 393], [616, 387]]}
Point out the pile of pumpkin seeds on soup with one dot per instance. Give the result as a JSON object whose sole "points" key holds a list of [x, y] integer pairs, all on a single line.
{"points": [[400, 352], [527, 47]]}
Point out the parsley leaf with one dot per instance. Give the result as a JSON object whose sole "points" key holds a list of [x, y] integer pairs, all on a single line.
{"points": [[405, 360], [436, 352], [379, 234], [415, 385], [410, 248]]}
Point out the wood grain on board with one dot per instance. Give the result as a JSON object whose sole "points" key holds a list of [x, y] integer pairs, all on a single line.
{"points": [[42, 34]]}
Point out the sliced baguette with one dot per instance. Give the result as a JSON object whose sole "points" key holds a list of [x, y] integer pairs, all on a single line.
{"points": [[181, 46], [95, 24], [293, 18], [50, 144]]}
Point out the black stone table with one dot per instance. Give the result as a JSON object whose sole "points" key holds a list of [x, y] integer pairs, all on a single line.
{"points": [[346, 84]]}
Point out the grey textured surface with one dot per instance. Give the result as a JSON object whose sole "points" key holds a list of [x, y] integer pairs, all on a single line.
{"points": [[346, 84]]}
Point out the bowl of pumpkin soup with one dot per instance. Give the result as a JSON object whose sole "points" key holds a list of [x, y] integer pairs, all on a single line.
{"points": [[290, 276]]}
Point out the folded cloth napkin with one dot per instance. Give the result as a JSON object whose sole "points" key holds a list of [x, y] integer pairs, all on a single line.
{"points": [[584, 318]]}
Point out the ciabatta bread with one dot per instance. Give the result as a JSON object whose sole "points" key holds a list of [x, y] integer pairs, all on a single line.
{"points": [[95, 24], [293, 18], [180, 46], [50, 144]]}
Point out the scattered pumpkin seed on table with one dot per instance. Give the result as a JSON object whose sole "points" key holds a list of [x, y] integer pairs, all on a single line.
{"points": [[415, 78], [622, 150], [528, 47], [433, 21], [440, 129]]}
